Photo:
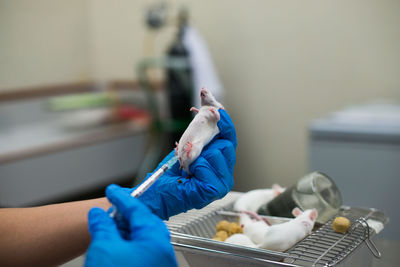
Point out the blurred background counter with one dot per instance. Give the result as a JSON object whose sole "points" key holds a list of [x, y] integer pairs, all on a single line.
{"points": [[48, 156], [360, 147]]}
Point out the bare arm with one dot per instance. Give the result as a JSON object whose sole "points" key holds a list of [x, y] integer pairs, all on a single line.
{"points": [[47, 235]]}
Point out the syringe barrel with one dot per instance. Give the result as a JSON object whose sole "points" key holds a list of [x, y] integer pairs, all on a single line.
{"points": [[146, 184]]}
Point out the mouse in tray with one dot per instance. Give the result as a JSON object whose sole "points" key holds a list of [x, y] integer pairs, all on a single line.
{"points": [[254, 229], [201, 130], [281, 237], [254, 199], [240, 239]]}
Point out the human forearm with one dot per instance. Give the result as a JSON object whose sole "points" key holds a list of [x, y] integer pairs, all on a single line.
{"points": [[47, 235]]}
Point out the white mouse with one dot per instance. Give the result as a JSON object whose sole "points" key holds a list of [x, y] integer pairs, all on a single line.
{"points": [[254, 199], [200, 131], [240, 239], [281, 237], [254, 229]]}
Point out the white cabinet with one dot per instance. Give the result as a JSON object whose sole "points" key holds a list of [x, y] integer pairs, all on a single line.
{"points": [[359, 148]]}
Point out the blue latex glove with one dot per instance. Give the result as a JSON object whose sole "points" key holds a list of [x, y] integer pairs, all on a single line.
{"points": [[212, 176], [148, 241]]}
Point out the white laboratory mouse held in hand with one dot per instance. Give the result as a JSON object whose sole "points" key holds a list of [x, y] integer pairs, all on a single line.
{"points": [[201, 130], [281, 237], [254, 199]]}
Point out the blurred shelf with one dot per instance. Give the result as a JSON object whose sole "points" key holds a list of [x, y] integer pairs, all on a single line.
{"points": [[34, 140]]}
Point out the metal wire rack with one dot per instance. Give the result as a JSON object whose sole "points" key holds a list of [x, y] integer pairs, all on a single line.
{"points": [[191, 222], [324, 247]]}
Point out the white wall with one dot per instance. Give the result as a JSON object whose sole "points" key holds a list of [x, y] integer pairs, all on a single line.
{"points": [[119, 38], [282, 62], [43, 42], [286, 62], [116, 34]]}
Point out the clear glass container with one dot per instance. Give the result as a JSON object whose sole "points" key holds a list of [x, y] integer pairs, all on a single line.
{"points": [[315, 190]]}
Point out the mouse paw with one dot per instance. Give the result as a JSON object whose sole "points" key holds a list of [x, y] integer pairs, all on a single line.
{"points": [[188, 148], [194, 109], [214, 113], [180, 163], [176, 148]]}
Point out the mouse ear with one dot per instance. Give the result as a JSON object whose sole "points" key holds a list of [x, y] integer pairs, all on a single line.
{"points": [[277, 189], [313, 214], [296, 212]]}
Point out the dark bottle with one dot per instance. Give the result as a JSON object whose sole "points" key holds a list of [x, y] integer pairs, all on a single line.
{"points": [[180, 80]]}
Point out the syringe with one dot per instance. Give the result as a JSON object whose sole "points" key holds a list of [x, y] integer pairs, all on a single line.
{"points": [[146, 184]]}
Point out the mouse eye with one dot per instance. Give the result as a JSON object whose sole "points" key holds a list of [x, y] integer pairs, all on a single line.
{"points": [[202, 94]]}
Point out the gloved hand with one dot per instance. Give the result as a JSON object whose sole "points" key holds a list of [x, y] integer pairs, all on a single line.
{"points": [[148, 241], [212, 176]]}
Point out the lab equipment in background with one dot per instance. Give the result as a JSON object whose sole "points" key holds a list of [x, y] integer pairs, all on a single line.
{"points": [[188, 44], [156, 16], [180, 81], [182, 68], [360, 147], [168, 124], [201, 72], [314, 190], [162, 127]]}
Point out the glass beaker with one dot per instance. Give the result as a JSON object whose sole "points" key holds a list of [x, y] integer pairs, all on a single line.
{"points": [[314, 190]]}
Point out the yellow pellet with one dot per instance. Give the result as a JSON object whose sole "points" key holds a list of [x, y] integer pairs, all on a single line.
{"points": [[341, 225], [223, 226]]}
